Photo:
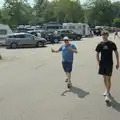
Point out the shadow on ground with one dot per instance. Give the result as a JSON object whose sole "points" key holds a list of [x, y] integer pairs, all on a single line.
{"points": [[79, 92], [115, 104]]}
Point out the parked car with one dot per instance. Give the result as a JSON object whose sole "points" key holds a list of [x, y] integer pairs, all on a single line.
{"points": [[35, 33], [24, 39], [97, 31], [69, 33]]}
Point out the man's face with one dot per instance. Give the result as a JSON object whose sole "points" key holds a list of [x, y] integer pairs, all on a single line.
{"points": [[105, 37], [66, 42]]}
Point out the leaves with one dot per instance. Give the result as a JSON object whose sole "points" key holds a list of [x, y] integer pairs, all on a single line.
{"points": [[93, 12]]}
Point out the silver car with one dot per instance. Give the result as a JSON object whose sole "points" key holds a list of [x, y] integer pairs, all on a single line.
{"points": [[24, 39]]}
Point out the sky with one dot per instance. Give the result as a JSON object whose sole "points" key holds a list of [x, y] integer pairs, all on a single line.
{"points": [[31, 1]]}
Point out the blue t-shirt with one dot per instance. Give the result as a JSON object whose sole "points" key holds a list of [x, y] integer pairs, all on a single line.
{"points": [[66, 54]]}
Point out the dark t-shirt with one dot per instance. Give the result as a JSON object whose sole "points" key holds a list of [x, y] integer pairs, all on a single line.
{"points": [[106, 49]]}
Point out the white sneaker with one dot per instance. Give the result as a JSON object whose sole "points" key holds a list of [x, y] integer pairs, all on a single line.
{"points": [[107, 99], [106, 93]]}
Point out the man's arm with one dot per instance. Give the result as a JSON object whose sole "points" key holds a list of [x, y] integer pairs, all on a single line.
{"points": [[55, 51], [73, 50], [98, 58], [117, 58]]}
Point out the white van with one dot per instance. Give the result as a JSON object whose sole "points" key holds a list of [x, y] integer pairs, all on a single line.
{"points": [[4, 32], [79, 28]]}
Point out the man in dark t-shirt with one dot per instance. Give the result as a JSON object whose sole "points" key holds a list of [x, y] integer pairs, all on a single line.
{"points": [[106, 48]]}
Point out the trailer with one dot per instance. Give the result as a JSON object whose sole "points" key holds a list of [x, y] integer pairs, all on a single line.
{"points": [[79, 28], [4, 31]]}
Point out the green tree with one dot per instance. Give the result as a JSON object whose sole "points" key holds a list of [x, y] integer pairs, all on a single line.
{"points": [[100, 12], [116, 22], [16, 12]]}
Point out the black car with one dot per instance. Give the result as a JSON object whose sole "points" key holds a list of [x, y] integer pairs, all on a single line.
{"points": [[97, 31], [69, 33]]}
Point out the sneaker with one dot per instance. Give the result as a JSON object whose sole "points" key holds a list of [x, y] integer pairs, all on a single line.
{"points": [[106, 93], [107, 99]]}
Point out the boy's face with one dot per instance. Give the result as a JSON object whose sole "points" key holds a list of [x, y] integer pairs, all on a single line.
{"points": [[105, 37]]}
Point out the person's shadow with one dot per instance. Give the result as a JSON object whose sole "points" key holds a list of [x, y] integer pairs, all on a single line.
{"points": [[79, 92], [115, 104]]}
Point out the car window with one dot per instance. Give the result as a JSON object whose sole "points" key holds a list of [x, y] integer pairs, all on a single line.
{"points": [[71, 27], [28, 36], [67, 31], [11, 36], [20, 36], [3, 32], [34, 33]]}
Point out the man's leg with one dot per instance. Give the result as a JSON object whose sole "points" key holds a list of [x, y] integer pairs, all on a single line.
{"points": [[69, 77], [69, 74], [64, 64]]}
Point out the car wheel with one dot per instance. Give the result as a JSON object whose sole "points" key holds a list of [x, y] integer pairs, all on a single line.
{"points": [[8, 47], [78, 38], [14, 45], [40, 44]]}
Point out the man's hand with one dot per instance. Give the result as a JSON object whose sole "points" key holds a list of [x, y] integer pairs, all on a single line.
{"points": [[72, 50], [52, 50], [117, 66]]}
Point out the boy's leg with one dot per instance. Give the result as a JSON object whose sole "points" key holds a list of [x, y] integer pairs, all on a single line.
{"points": [[108, 78], [105, 82]]}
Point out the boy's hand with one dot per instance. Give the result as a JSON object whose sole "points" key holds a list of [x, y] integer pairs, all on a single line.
{"points": [[117, 66]]}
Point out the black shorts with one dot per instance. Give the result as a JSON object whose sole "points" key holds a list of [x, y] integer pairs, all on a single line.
{"points": [[67, 66], [106, 70]]}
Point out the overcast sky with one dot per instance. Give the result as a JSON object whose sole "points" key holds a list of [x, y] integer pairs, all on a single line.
{"points": [[31, 1]]}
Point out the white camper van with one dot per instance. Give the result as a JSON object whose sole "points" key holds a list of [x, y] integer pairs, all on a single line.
{"points": [[4, 31], [79, 28]]}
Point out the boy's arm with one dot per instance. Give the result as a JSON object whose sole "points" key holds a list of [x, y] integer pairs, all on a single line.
{"points": [[98, 58], [117, 58]]}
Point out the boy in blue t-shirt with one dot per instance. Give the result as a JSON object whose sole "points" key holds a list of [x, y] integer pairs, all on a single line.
{"points": [[68, 51]]}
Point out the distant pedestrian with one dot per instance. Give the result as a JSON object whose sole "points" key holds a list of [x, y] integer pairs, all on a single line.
{"points": [[106, 49], [116, 34], [68, 51]]}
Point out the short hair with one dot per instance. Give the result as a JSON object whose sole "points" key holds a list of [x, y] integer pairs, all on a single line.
{"points": [[105, 32]]}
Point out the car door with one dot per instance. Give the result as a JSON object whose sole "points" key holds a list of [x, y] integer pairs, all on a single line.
{"points": [[21, 39], [63, 33], [29, 39], [69, 34]]}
